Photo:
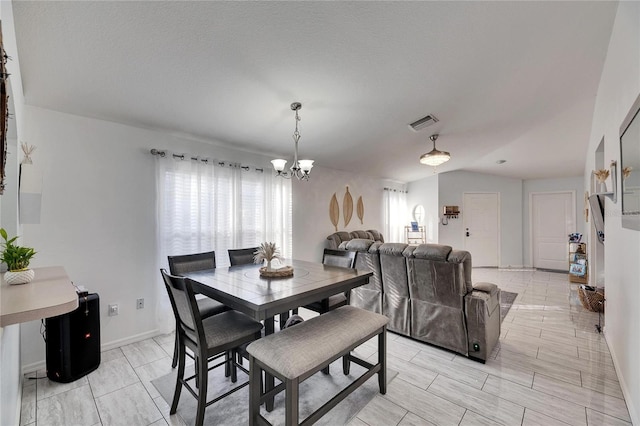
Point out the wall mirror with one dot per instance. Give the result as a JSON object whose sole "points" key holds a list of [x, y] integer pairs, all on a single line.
{"points": [[418, 214], [630, 167]]}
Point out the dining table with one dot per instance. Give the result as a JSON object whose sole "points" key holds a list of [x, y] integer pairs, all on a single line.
{"points": [[244, 289]]}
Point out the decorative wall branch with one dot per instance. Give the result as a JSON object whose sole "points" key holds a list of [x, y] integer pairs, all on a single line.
{"points": [[334, 211], [4, 113], [360, 210], [347, 207]]}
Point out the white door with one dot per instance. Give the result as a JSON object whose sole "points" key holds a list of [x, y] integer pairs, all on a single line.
{"points": [[481, 226], [553, 218]]}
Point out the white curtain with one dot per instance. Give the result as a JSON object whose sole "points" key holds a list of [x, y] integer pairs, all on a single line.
{"points": [[395, 215], [202, 207]]}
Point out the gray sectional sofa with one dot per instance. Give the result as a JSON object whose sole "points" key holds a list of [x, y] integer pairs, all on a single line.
{"points": [[427, 293], [334, 240]]}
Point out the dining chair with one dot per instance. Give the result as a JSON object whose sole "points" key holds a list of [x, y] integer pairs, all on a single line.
{"points": [[344, 259], [242, 256], [209, 339], [182, 264]]}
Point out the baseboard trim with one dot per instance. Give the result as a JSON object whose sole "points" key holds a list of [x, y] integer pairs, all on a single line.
{"points": [[633, 409], [42, 364]]}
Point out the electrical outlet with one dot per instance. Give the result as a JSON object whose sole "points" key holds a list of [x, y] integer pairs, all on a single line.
{"points": [[113, 310], [140, 304]]}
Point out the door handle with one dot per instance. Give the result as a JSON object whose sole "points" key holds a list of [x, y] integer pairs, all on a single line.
{"points": [[468, 232]]}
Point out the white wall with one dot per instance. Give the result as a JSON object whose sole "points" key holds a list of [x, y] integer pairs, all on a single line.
{"points": [[451, 188], [98, 215], [619, 87], [425, 192], [575, 184], [10, 372], [311, 223]]}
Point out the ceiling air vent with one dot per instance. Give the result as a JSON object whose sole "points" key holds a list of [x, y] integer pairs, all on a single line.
{"points": [[423, 122]]}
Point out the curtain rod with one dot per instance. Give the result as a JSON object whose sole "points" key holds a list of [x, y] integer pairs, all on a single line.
{"points": [[162, 154], [395, 190]]}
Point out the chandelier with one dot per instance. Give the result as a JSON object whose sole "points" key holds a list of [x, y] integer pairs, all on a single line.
{"points": [[299, 168], [434, 157]]}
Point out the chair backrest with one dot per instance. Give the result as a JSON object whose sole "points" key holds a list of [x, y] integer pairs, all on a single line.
{"points": [[185, 306], [343, 258], [179, 265], [242, 256]]}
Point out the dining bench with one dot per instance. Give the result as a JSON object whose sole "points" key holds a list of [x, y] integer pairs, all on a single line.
{"points": [[296, 353]]}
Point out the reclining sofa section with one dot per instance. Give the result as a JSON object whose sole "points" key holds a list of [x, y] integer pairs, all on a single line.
{"points": [[427, 293]]}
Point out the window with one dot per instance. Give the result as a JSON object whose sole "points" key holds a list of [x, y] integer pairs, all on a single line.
{"points": [[202, 207]]}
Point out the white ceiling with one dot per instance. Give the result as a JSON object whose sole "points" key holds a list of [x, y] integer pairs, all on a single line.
{"points": [[507, 80]]}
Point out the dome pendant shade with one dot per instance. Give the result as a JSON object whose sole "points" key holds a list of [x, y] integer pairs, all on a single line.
{"points": [[434, 157]]}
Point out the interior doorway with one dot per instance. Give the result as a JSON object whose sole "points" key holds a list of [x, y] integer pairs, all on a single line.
{"points": [[553, 218], [481, 219]]}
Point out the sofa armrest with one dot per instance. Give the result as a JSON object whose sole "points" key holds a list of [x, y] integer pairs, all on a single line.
{"points": [[490, 288], [482, 310]]}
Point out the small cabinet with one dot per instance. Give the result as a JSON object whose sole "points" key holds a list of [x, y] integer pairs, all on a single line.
{"points": [[415, 235], [578, 265]]}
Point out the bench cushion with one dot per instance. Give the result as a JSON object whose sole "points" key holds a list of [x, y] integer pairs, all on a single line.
{"points": [[297, 350]]}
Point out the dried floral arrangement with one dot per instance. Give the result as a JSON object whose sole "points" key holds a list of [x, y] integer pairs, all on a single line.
{"points": [[267, 251], [601, 175]]}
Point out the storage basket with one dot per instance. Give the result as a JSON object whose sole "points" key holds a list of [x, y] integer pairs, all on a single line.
{"points": [[591, 299]]}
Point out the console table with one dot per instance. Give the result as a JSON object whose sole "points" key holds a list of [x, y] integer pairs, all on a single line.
{"points": [[51, 293]]}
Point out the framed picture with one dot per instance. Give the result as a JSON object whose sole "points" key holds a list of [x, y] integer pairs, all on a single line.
{"points": [[414, 227], [578, 269]]}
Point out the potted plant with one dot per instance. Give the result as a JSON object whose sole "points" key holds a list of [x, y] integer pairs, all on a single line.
{"points": [[17, 259], [268, 252]]}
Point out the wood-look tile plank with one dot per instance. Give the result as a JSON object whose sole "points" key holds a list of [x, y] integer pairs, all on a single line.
{"points": [[424, 404], [587, 366], [408, 372], [541, 366], [496, 367], [601, 384], [606, 404], [381, 412], [567, 348], [463, 374], [600, 419], [473, 419], [412, 419], [487, 405], [565, 411], [533, 418]]}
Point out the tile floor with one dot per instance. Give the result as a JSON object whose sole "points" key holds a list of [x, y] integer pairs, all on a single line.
{"points": [[550, 368]]}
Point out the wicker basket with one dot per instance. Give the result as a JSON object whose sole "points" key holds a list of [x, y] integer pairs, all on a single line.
{"points": [[592, 300], [286, 271]]}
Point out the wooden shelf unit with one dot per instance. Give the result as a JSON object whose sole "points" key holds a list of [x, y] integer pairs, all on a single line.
{"points": [[578, 251], [415, 237]]}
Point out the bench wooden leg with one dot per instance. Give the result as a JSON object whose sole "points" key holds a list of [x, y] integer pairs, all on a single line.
{"points": [[291, 401], [269, 381], [382, 359]]}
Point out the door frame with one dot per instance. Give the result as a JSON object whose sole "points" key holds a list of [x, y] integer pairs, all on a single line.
{"points": [[499, 230], [575, 221]]}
